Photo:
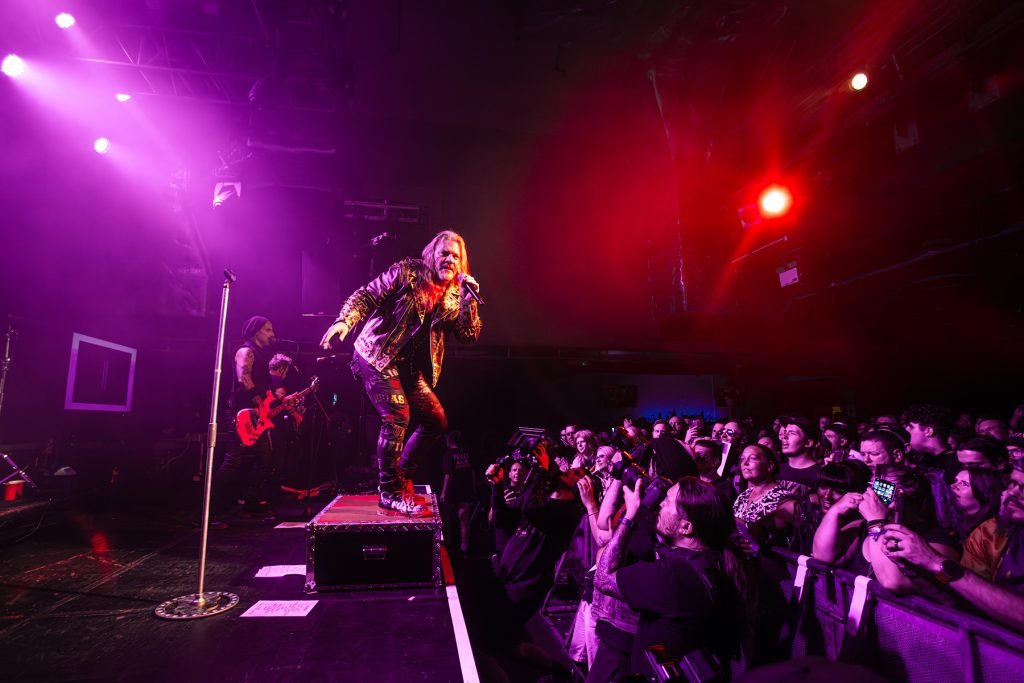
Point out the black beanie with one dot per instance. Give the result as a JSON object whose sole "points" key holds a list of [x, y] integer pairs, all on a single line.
{"points": [[252, 326]]}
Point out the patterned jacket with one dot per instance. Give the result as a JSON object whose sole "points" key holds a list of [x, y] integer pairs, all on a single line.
{"points": [[392, 312]]}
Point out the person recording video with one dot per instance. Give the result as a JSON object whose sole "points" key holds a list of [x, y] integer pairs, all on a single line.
{"points": [[505, 513]]}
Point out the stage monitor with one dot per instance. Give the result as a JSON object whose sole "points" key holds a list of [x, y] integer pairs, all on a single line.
{"points": [[100, 376]]}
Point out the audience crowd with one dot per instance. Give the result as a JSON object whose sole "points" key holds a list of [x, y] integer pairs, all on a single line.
{"points": [[672, 523]]}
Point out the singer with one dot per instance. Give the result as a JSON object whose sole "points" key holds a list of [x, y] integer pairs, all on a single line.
{"points": [[407, 312]]}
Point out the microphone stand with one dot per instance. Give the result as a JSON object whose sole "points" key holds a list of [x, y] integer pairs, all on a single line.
{"points": [[313, 449], [206, 604], [5, 364]]}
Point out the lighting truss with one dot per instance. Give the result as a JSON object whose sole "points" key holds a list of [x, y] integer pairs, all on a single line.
{"points": [[212, 67]]}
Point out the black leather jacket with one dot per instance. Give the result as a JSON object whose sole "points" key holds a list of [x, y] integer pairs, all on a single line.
{"points": [[393, 314]]}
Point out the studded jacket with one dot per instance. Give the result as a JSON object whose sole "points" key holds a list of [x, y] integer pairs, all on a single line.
{"points": [[393, 314]]}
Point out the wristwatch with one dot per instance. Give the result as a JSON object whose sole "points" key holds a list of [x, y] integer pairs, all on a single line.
{"points": [[950, 571]]}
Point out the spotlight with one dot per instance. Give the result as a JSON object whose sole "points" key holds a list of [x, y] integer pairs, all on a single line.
{"points": [[64, 20], [13, 66], [102, 145], [122, 97], [775, 201], [859, 81]]}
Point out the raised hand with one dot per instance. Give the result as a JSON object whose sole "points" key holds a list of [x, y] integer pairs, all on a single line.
{"points": [[339, 330], [587, 494]]}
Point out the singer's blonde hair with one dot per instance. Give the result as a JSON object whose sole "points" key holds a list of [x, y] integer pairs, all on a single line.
{"points": [[430, 251]]}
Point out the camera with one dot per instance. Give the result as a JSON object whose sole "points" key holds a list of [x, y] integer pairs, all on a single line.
{"points": [[504, 463], [521, 447], [628, 471]]}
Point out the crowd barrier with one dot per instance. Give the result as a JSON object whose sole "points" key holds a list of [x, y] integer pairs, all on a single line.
{"points": [[844, 617]]}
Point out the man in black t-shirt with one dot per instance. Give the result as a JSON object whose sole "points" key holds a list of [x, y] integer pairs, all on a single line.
{"points": [[798, 443], [685, 598], [458, 493], [929, 427]]}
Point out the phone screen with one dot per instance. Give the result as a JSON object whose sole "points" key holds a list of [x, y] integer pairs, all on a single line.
{"points": [[884, 489]]}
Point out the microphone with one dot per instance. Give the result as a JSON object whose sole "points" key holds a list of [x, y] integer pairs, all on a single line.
{"points": [[469, 288]]}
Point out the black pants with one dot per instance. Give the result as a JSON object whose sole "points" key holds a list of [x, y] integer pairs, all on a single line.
{"points": [[397, 392], [614, 654], [246, 472]]}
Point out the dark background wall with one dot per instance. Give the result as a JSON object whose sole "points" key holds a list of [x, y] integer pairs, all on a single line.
{"points": [[594, 160]]}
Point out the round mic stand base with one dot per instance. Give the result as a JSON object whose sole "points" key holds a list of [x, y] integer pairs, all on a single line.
{"points": [[206, 603], [191, 607]]}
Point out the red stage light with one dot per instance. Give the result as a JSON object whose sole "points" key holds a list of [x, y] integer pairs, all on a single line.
{"points": [[775, 201]]}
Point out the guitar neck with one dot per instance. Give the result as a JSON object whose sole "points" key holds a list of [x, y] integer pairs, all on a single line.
{"points": [[292, 397]]}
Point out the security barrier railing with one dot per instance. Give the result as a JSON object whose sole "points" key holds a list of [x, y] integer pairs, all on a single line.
{"points": [[832, 613]]}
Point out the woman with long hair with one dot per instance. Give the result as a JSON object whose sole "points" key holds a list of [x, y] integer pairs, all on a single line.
{"points": [[976, 494], [586, 448]]}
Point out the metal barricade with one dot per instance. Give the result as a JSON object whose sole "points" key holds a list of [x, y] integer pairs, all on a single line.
{"points": [[836, 614]]}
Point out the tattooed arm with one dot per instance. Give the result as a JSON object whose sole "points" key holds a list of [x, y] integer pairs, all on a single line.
{"points": [[615, 551], [244, 359]]}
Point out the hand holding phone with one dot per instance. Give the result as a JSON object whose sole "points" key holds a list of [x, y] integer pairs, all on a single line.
{"points": [[692, 434], [885, 490], [872, 506], [745, 542]]}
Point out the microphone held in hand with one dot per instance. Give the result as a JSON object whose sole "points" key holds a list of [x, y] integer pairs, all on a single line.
{"points": [[471, 289]]}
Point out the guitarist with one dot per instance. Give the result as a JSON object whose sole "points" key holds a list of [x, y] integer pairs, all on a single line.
{"points": [[286, 425], [279, 366], [251, 466]]}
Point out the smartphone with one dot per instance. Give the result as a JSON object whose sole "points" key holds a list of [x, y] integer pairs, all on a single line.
{"points": [[884, 489], [743, 532]]}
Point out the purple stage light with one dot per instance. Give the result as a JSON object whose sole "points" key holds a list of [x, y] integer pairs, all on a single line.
{"points": [[13, 66], [122, 97], [64, 20], [102, 145]]}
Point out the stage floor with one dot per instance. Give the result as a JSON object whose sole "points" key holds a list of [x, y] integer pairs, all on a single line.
{"points": [[78, 599]]}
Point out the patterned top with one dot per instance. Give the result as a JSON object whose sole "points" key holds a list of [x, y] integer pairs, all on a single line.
{"points": [[751, 511]]}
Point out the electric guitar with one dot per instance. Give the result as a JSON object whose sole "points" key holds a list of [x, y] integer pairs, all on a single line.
{"points": [[250, 423]]}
